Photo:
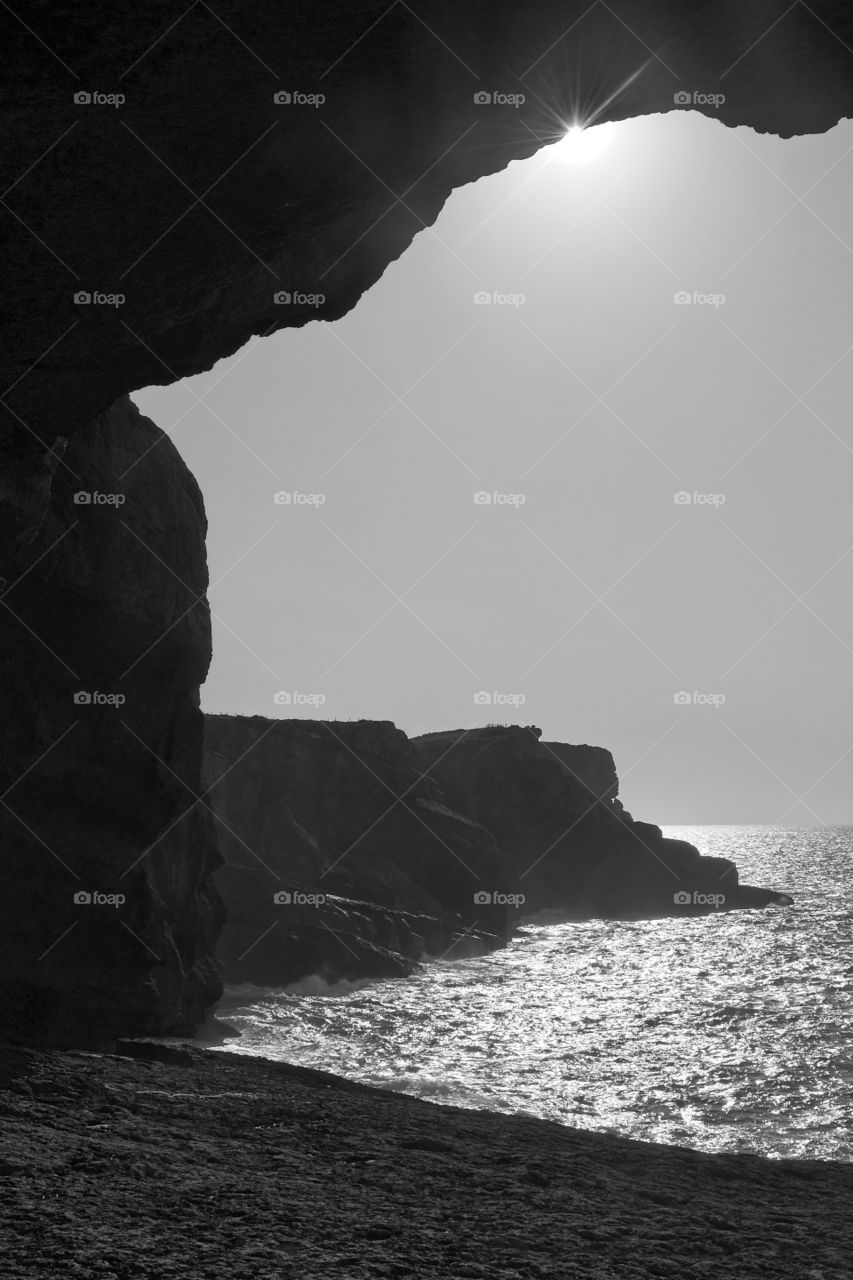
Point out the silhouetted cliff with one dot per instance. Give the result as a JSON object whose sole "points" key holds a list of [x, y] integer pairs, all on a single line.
{"points": [[108, 919], [340, 858], [351, 850], [554, 810]]}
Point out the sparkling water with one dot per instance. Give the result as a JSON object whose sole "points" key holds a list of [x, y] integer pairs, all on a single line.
{"points": [[733, 1032]]}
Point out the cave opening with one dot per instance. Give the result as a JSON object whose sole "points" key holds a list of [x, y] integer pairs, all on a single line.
{"points": [[583, 448], [569, 459]]}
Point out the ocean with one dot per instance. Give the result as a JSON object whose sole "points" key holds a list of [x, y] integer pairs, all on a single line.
{"points": [[733, 1032]]}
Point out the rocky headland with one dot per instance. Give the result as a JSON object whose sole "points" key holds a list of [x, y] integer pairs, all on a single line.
{"points": [[353, 851]]}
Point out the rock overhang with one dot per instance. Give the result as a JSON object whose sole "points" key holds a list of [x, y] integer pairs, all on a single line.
{"points": [[150, 160], [147, 239]]}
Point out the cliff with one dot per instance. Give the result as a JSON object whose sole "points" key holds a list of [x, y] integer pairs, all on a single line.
{"points": [[340, 858], [167, 186], [351, 850], [107, 914], [554, 810]]}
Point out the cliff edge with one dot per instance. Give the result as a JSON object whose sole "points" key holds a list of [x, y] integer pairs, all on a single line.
{"points": [[353, 851]]}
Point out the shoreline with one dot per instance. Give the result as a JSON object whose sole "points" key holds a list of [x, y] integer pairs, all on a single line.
{"points": [[168, 1161], [498, 826]]}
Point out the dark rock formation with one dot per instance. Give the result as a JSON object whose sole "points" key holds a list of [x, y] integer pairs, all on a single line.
{"points": [[352, 851], [573, 848], [228, 1165], [195, 201], [198, 197], [105, 640], [340, 858], [593, 768]]}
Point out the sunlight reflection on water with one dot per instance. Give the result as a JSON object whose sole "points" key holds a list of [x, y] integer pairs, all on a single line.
{"points": [[728, 1033]]}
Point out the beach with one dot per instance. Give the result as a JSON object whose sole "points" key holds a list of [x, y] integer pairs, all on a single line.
{"points": [[213, 1165]]}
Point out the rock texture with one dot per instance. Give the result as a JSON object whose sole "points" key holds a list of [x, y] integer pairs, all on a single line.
{"points": [[156, 200], [105, 638], [425, 847], [198, 197], [555, 813], [220, 1165], [341, 859]]}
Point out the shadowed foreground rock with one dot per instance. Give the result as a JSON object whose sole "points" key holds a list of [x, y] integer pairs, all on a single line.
{"points": [[219, 1165], [103, 644]]}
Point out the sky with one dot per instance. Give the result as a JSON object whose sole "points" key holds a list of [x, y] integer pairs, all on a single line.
{"points": [[664, 565]]}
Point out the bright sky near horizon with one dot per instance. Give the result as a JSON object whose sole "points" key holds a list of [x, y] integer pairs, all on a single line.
{"points": [[668, 318]]}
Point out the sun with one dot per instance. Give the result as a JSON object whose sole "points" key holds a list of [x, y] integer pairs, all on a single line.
{"points": [[580, 145]]}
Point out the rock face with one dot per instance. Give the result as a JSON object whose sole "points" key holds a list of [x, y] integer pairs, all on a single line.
{"points": [[340, 858], [336, 1179], [410, 844], [160, 208], [593, 768], [573, 848], [105, 639], [198, 197]]}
